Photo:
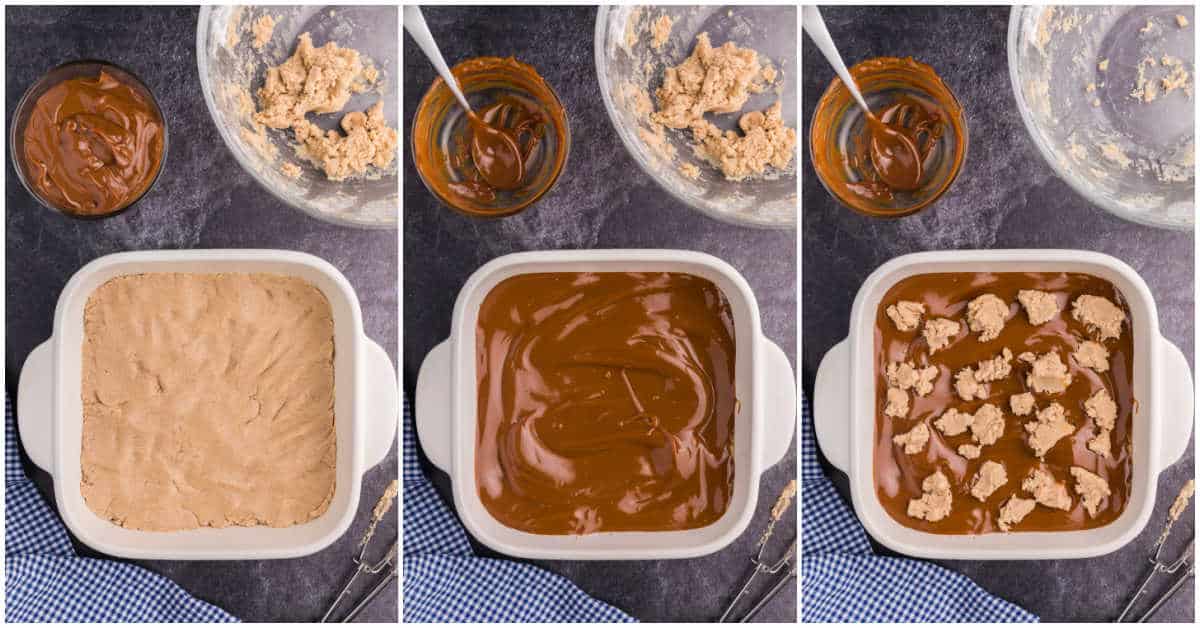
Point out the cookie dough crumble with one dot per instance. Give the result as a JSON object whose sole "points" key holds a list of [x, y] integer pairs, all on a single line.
{"points": [[1091, 488], [1101, 444], [660, 32], [1021, 404], [991, 476], [1046, 491], [1099, 315], [986, 316], [953, 422], [1092, 355], [765, 141], [906, 315], [291, 170], [987, 424], [897, 403], [322, 80], [1014, 511], [1048, 374], [689, 170], [996, 368], [720, 80], [1102, 409], [969, 451], [1041, 307], [1050, 427], [906, 376], [935, 503], [1181, 500], [939, 332], [262, 30], [366, 140], [967, 385], [914, 440]]}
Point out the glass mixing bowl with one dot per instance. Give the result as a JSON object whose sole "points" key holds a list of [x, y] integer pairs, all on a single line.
{"points": [[231, 74], [771, 30], [440, 125], [1076, 73]]}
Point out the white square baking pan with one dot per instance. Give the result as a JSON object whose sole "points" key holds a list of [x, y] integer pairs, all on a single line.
{"points": [[50, 414], [763, 427], [844, 406]]}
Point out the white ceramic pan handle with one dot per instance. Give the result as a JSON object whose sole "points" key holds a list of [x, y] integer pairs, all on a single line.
{"points": [[383, 403], [1178, 403], [433, 406], [35, 402], [831, 405], [779, 395]]}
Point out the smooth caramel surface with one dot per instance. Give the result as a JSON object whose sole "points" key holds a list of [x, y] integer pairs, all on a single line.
{"points": [[606, 402]]}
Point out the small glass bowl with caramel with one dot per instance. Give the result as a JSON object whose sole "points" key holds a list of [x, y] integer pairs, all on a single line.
{"points": [[88, 140], [901, 92], [505, 94]]}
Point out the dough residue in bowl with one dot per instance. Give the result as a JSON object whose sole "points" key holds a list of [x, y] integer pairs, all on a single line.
{"points": [[321, 80], [712, 80], [721, 80]]}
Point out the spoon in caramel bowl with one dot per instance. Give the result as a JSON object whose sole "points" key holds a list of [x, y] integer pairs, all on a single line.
{"points": [[495, 152], [894, 154]]}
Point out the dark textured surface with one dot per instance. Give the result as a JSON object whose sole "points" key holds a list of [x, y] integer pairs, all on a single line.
{"points": [[602, 201], [1005, 197], [202, 200]]}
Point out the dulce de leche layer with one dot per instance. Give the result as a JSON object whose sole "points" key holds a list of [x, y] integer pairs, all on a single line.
{"points": [[899, 475], [93, 145], [606, 402]]}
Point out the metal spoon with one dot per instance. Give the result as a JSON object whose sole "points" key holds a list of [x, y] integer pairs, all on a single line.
{"points": [[894, 154], [496, 154]]}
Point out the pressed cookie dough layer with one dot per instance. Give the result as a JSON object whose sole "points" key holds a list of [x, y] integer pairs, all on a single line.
{"points": [[207, 401]]}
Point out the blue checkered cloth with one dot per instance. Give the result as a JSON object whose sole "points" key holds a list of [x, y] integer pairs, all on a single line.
{"points": [[842, 580], [445, 582], [45, 581]]}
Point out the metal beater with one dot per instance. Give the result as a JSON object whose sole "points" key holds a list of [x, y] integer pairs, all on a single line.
{"points": [[388, 562], [1184, 562]]}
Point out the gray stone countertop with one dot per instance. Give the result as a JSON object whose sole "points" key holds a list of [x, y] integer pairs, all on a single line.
{"points": [[1005, 197], [202, 200], [602, 201]]}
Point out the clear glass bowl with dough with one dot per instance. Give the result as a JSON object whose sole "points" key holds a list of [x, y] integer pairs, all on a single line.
{"points": [[768, 202], [1106, 94], [229, 72]]}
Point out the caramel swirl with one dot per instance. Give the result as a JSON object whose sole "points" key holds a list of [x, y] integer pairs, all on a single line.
{"points": [[93, 145], [606, 402], [898, 475]]}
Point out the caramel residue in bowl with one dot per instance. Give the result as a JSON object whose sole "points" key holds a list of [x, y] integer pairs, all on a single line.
{"points": [[923, 133], [511, 100]]}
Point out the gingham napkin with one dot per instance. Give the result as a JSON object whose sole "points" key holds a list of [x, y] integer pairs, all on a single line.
{"points": [[842, 580], [45, 581], [445, 582]]}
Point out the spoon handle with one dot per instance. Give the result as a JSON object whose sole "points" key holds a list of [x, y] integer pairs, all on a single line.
{"points": [[814, 25], [414, 23]]}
